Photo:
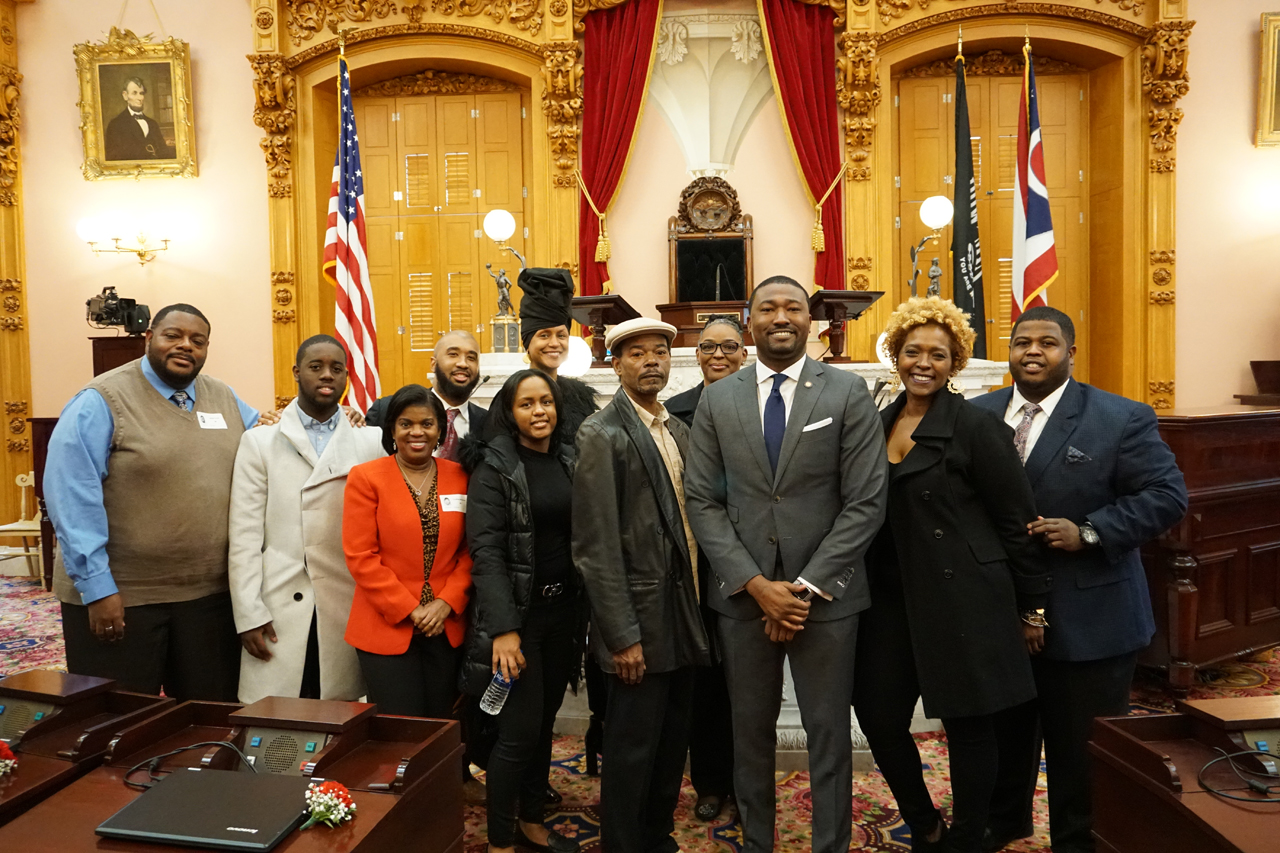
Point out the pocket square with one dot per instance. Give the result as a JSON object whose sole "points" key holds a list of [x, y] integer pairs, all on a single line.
{"points": [[817, 425], [1074, 456]]}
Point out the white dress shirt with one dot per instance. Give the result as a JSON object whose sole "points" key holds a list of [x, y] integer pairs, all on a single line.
{"points": [[1013, 414], [764, 387], [461, 422], [140, 118]]}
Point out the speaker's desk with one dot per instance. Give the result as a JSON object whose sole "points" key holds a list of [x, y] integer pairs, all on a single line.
{"points": [[403, 773], [1146, 791], [59, 726]]}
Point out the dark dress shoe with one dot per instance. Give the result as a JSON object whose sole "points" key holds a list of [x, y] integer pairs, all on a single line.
{"points": [[709, 807], [553, 797], [997, 840], [556, 843], [920, 842], [594, 745]]}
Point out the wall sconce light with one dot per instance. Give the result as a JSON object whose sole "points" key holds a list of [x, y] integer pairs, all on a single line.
{"points": [[499, 225], [99, 230], [935, 212]]}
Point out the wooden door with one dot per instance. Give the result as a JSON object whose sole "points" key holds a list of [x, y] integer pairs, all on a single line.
{"points": [[926, 157]]}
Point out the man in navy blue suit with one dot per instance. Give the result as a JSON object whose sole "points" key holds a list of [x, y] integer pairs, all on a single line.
{"points": [[1105, 483]]}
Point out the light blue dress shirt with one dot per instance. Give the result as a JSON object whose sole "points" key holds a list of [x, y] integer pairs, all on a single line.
{"points": [[77, 464], [319, 432]]}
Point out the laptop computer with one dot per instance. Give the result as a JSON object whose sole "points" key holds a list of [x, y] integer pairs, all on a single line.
{"points": [[213, 809]]}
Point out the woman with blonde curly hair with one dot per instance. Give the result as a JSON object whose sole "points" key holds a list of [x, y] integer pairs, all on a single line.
{"points": [[950, 572]]}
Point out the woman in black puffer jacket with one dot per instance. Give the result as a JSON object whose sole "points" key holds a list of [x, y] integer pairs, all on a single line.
{"points": [[527, 608]]}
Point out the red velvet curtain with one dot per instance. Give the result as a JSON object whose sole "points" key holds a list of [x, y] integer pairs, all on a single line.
{"points": [[802, 47], [618, 48]]}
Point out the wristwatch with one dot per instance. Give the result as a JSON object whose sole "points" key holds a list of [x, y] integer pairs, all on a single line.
{"points": [[1035, 618], [1089, 536], [806, 595]]}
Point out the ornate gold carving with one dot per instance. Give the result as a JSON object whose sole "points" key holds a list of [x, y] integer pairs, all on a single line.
{"points": [[559, 8], [283, 296], [890, 9], [275, 111], [18, 445], [264, 19], [282, 402], [10, 121], [562, 101], [17, 426], [1163, 297], [1161, 277], [284, 315], [11, 324], [571, 266], [306, 17], [1164, 61], [836, 6], [993, 63], [15, 407], [987, 10], [12, 304], [282, 277], [124, 46], [564, 182], [435, 83], [7, 35], [523, 14], [1164, 256], [582, 7], [858, 91], [861, 282], [1164, 123], [709, 205], [415, 28], [1161, 403], [1158, 387], [1163, 164], [859, 263]]}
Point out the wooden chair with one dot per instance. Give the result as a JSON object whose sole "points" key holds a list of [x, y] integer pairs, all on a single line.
{"points": [[28, 529]]}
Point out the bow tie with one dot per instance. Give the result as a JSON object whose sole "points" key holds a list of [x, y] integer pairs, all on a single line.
{"points": [[135, 115]]}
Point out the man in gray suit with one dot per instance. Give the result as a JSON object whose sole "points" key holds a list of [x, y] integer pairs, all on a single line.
{"points": [[785, 490]]}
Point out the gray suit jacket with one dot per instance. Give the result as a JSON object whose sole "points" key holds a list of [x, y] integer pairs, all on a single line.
{"points": [[815, 517]]}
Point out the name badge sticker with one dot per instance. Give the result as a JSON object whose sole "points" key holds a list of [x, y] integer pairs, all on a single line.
{"points": [[453, 503], [211, 420]]}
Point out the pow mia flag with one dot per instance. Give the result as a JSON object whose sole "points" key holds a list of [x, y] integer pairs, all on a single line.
{"points": [[966, 252]]}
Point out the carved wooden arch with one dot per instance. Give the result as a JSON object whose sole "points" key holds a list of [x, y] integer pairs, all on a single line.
{"points": [[1140, 328]]}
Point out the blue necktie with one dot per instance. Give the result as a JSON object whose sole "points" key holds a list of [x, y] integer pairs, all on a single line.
{"points": [[775, 421], [180, 399]]}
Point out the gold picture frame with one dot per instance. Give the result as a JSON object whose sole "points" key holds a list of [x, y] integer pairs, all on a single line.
{"points": [[1268, 96], [135, 107]]}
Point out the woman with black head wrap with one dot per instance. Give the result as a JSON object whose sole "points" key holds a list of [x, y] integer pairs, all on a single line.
{"points": [[544, 331]]}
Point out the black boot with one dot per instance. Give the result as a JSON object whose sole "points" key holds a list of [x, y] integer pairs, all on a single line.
{"points": [[595, 745]]}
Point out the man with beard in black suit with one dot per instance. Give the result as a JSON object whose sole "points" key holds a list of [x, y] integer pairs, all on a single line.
{"points": [[134, 135]]}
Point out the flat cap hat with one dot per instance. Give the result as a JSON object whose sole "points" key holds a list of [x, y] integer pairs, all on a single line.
{"points": [[638, 326]]}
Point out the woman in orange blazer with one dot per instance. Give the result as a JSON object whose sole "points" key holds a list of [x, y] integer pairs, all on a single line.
{"points": [[405, 539]]}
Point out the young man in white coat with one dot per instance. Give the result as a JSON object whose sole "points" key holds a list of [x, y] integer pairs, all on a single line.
{"points": [[290, 588]]}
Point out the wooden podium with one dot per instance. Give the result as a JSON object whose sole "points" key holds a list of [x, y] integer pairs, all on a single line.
{"points": [[596, 312], [1148, 793], [404, 774], [59, 726], [110, 352], [838, 307], [690, 317], [1214, 578]]}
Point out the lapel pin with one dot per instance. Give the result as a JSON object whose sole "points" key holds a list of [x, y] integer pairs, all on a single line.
{"points": [[808, 384]]}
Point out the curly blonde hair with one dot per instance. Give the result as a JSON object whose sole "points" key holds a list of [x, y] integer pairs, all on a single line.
{"points": [[922, 310]]}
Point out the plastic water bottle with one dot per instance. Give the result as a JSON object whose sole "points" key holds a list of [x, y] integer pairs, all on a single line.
{"points": [[495, 696]]}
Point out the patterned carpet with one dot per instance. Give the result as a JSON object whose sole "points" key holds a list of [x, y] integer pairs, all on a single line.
{"points": [[31, 636]]}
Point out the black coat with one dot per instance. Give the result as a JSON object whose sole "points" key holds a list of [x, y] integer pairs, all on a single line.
{"points": [[123, 140], [578, 400], [378, 411], [959, 504], [500, 536], [629, 543], [685, 404]]}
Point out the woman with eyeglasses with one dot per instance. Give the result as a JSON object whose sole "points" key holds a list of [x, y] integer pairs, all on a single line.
{"points": [[721, 352]]}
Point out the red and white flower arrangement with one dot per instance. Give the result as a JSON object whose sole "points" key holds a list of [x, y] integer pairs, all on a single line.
{"points": [[8, 761], [329, 803]]}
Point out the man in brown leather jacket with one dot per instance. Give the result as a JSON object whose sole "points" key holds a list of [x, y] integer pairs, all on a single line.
{"points": [[634, 548]]}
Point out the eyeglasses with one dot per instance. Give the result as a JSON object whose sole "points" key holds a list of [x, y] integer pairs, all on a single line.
{"points": [[727, 347]]}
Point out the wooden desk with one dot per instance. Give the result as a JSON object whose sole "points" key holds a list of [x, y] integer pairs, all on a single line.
{"points": [[1147, 798], [403, 773], [1215, 576], [65, 745]]}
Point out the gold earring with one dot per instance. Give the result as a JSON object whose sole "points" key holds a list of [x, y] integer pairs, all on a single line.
{"points": [[954, 387], [896, 382]]}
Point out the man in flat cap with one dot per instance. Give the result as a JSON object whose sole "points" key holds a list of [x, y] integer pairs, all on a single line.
{"points": [[634, 548]]}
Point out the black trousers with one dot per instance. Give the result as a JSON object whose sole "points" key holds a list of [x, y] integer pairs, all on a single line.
{"points": [[188, 649], [646, 737], [422, 681], [517, 771], [311, 664], [711, 737], [1070, 695], [885, 692]]}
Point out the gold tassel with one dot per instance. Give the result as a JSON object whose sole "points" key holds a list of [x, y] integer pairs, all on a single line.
{"points": [[819, 239], [604, 248]]}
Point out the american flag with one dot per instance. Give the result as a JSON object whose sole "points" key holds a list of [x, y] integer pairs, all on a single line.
{"points": [[1035, 260], [345, 259]]}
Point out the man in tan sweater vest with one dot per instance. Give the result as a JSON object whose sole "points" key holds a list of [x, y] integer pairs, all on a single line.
{"points": [[138, 484]]}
